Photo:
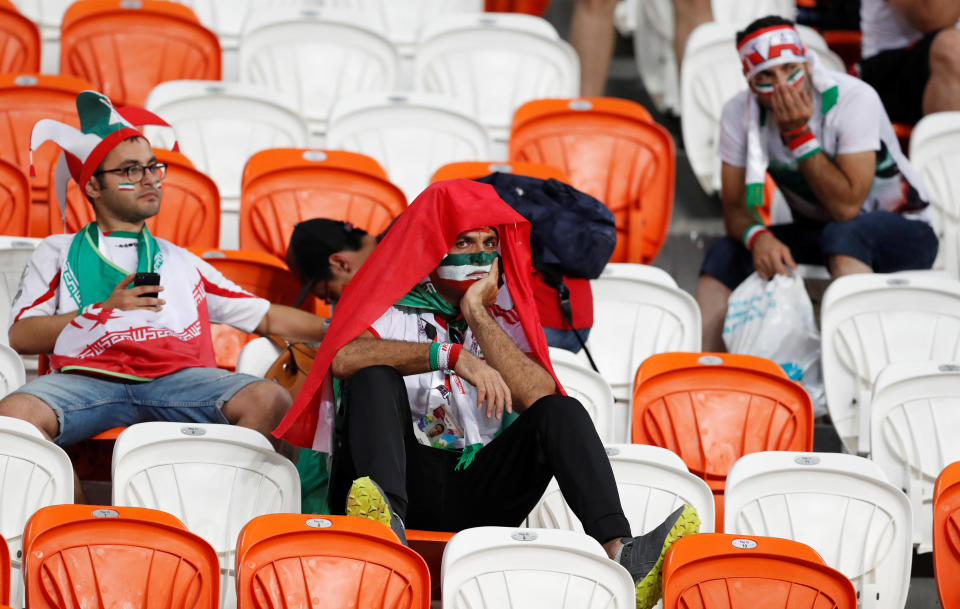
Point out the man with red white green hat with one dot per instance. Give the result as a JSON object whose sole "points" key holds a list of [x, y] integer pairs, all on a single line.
{"points": [[124, 354], [857, 204]]}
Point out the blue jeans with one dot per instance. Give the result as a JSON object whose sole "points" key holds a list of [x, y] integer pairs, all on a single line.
{"points": [[87, 405]]}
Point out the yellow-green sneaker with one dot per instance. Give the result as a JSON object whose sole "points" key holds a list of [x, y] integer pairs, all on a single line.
{"points": [[643, 556], [367, 500]]}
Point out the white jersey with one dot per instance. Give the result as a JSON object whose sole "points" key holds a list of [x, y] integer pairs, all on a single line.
{"points": [[884, 28]]}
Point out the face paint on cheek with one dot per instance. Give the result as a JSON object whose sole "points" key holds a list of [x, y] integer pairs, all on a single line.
{"points": [[159, 184], [763, 88], [796, 78], [460, 271], [126, 186]]}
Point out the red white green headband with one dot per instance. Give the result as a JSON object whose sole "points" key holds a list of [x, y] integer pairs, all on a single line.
{"points": [[770, 46]]}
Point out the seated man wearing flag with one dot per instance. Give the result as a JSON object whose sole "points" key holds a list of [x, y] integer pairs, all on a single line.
{"points": [[857, 203], [125, 354], [435, 342]]}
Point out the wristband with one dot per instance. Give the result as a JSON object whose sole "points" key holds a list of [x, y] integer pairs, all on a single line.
{"points": [[434, 356], [803, 145], [751, 233], [454, 356]]}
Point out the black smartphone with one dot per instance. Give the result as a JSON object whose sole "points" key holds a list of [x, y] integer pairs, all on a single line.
{"points": [[147, 279]]}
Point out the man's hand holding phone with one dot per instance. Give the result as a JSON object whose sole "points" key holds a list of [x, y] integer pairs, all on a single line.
{"points": [[143, 295]]}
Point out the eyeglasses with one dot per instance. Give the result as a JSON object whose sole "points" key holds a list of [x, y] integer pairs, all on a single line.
{"points": [[135, 173]]}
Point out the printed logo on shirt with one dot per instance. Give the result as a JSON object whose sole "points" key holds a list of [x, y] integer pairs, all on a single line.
{"points": [[129, 244]]}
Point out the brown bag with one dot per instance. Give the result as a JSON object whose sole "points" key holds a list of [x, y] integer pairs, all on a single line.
{"points": [[292, 366]]}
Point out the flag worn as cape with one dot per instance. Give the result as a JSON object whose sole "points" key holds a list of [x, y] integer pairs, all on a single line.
{"points": [[421, 236]]}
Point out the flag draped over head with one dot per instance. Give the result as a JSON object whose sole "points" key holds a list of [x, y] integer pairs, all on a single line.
{"points": [[416, 243]]}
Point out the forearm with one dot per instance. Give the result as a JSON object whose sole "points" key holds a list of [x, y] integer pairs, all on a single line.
{"points": [[35, 335], [528, 380], [407, 358], [292, 324], [832, 187], [928, 15]]}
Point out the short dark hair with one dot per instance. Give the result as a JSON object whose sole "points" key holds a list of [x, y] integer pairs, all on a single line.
{"points": [[759, 24]]}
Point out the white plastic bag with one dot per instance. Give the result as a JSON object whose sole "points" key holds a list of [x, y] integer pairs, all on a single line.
{"points": [[774, 319]]}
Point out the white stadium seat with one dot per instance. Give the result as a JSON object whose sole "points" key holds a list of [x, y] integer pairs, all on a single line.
{"points": [[214, 478], [655, 57], [741, 13], [15, 252], [871, 320], [498, 567], [914, 426], [493, 63], [592, 391], [48, 15], [840, 505], [411, 135], [935, 153], [652, 482], [219, 126], [257, 356], [12, 372], [314, 56], [34, 473], [813, 40]]}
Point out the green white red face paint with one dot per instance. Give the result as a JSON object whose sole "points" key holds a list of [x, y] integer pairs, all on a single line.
{"points": [[126, 186], [796, 77], [460, 271]]}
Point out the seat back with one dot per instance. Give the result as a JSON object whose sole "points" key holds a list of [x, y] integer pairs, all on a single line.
{"points": [[711, 74], [14, 200], [12, 372], [472, 170], [711, 409], [870, 321], [314, 57], [801, 496], [946, 535], [15, 252], [214, 478], [34, 473], [127, 48], [20, 41], [493, 567], [638, 311], [47, 15], [493, 63], [813, 40], [652, 482], [914, 416], [591, 390], [741, 14], [411, 135], [286, 560], [654, 53], [611, 149], [934, 152], [717, 571], [102, 556], [284, 186]]}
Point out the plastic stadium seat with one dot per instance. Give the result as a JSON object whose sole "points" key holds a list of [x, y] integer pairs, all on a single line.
{"points": [[410, 135], [653, 50], [219, 126], [840, 505], [25, 99], [98, 557], [711, 409], [284, 186], [652, 483], [294, 560], [914, 417], [813, 40], [35, 473], [189, 215], [493, 63], [257, 356], [845, 43], [126, 48], [314, 57], [934, 152], [716, 571], [15, 252], [14, 200], [472, 170], [946, 535], [47, 15], [19, 41], [591, 390], [214, 478], [430, 545], [872, 320], [495, 567], [740, 14], [638, 310], [12, 373], [613, 150]]}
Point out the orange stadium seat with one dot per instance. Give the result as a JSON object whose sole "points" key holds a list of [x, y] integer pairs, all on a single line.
{"points": [[717, 571], [99, 556], [14, 200], [25, 99], [611, 149], [531, 7], [189, 214], [284, 186], [289, 560], [477, 169], [946, 535], [127, 48], [19, 41], [713, 408], [430, 545]]}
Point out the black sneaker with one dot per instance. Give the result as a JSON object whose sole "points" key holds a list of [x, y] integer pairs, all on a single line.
{"points": [[367, 500], [643, 556]]}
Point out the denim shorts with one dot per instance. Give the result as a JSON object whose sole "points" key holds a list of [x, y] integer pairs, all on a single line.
{"points": [[86, 405]]}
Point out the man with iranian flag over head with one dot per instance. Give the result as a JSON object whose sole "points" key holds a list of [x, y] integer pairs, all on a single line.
{"points": [[123, 354], [858, 205], [434, 345]]}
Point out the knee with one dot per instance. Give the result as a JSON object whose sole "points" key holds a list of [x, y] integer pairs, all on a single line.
{"points": [[32, 410], [375, 375], [945, 54], [560, 408], [268, 400]]}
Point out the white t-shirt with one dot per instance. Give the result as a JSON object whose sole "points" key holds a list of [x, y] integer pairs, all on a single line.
{"points": [[884, 28], [863, 126]]}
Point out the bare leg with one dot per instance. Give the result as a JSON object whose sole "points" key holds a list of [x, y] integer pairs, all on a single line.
{"points": [[592, 36], [840, 265], [712, 296], [259, 406], [687, 15], [942, 92]]}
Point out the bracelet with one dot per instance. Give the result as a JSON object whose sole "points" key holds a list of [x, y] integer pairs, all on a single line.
{"points": [[434, 356], [751, 233], [804, 145], [454, 356], [792, 133]]}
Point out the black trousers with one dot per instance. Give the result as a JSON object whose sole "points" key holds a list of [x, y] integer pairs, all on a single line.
{"points": [[553, 438]]}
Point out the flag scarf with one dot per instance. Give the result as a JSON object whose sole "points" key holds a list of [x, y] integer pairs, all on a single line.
{"points": [[90, 277]]}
